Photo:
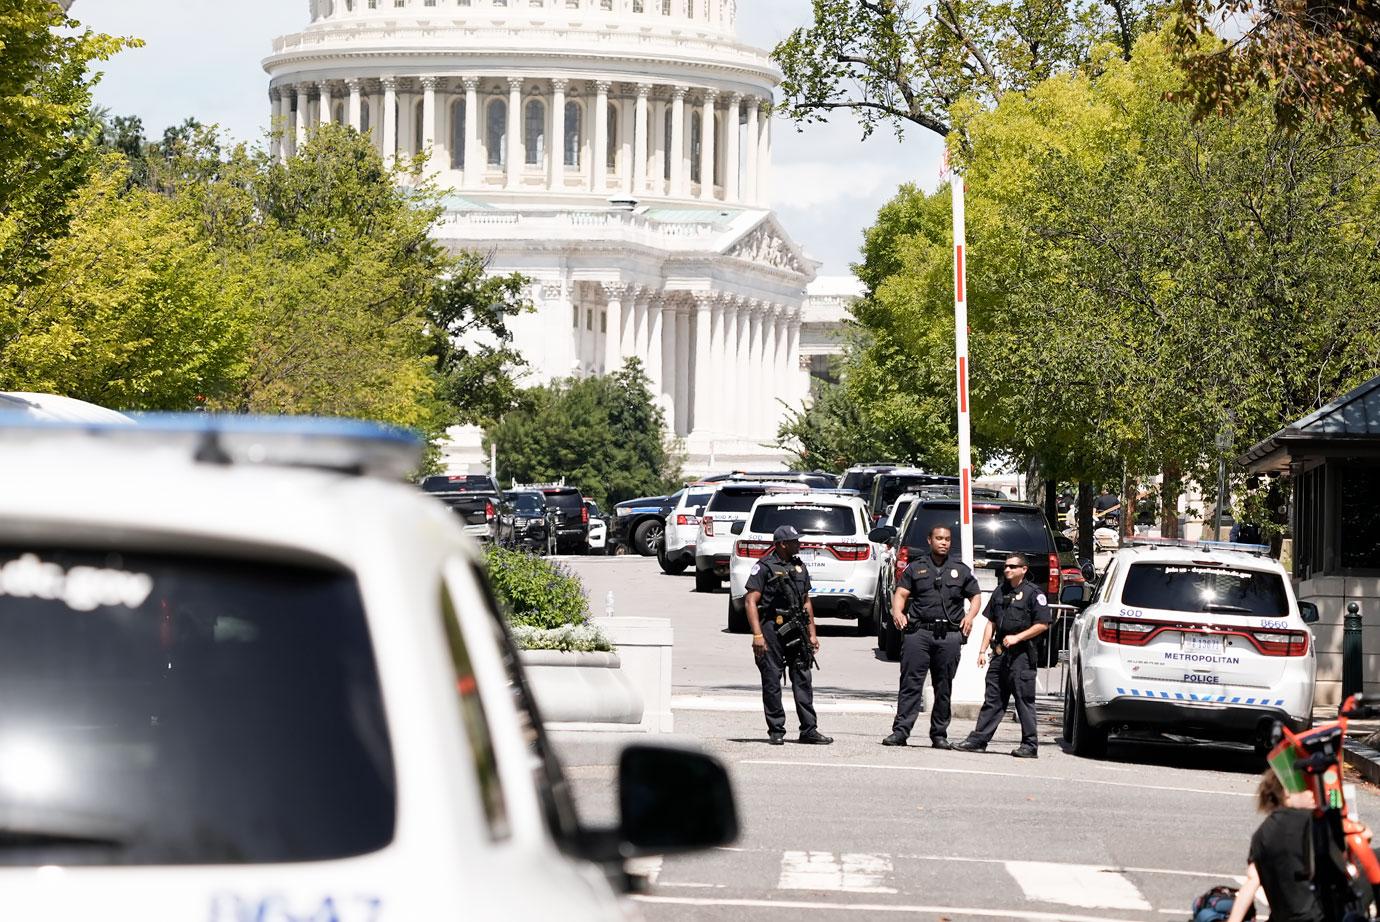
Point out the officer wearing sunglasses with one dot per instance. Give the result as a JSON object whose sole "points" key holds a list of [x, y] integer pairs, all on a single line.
{"points": [[1017, 613]]}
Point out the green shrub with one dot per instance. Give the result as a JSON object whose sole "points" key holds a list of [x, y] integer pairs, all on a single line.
{"points": [[535, 592]]}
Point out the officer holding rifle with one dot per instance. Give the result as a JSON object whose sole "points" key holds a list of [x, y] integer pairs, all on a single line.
{"points": [[1017, 614], [783, 635]]}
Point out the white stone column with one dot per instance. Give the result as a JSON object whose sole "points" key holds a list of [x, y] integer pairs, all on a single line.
{"points": [[516, 154], [390, 119], [703, 397], [656, 342], [751, 359], [682, 395], [376, 119], [356, 113], [559, 332], [778, 379], [716, 397], [656, 170], [303, 113], [555, 145], [750, 154], [619, 298], [327, 113], [707, 145], [627, 127], [275, 117], [474, 156], [429, 118], [764, 157], [599, 166], [732, 153], [677, 151], [765, 389], [725, 346], [640, 141], [798, 383], [637, 328]]}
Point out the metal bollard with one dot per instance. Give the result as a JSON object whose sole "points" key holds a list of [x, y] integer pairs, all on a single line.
{"points": [[1351, 651]]}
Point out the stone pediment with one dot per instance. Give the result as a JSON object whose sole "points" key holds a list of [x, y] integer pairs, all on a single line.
{"points": [[766, 245]]}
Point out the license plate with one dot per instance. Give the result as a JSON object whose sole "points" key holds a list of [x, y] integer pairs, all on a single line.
{"points": [[1197, 643]]}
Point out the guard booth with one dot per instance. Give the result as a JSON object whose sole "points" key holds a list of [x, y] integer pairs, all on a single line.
{"points": [[1333, 459]]}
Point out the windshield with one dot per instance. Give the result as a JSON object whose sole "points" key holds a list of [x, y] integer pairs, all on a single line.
{"points": [[733, 500], [995, 531], [1195, 588], [808, 520], [161, 709], [460, 484], [529, 504], [697, 500], [565, 499], [859, 480], [893, 485]]}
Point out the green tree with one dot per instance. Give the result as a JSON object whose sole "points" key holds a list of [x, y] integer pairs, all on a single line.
{"points": [[602, 434], [908, 62], [47, 143]]}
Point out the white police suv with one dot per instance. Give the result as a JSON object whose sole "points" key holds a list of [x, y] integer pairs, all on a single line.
{"points": [[714, 540], [677, 550], [1199, 639], [246, 672], [834, 546]]}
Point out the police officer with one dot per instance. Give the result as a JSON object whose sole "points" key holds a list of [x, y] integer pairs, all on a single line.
{"points": [[928, 606], [768, 607], [1017, 613]]}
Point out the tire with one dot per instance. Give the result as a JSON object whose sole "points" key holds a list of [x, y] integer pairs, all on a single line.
{"points": [[706, 581], [1068, 709], [647, 537], [892, 644], [737, 620], [1086, 740], [670, 567], [867, 624]]}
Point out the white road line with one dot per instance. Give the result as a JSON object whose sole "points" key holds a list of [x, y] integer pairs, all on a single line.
{"points": [[749, 703], [1196, 875], [970, 771], [1078, 885], [849, 873], [908, 909]]}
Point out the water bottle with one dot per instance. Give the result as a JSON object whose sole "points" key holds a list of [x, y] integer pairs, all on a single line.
{"points": [[608, 605]]}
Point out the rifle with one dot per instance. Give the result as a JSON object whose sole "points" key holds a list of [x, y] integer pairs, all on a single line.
{"points": [[794, 634]]}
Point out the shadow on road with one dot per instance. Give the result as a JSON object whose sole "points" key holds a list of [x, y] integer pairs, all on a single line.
{"points": [[1187, 754]]}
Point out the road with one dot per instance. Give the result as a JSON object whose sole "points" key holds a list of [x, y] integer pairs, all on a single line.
{"points": [[858, 830]]}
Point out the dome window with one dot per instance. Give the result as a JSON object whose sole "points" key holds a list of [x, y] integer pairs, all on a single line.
{"points": [[497, 133], [573, 116], [457, 135], [534, 132]]}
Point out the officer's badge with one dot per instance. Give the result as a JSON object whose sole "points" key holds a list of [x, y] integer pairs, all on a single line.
{"points": [[1019, 596], [953, 573], [780, 619], [798, 568], [922, 572], [1041, 599], [756, 568]]}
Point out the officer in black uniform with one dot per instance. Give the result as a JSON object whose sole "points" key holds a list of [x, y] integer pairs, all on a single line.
{"points": [[1017, 614], [928, 606], [768, 606]]}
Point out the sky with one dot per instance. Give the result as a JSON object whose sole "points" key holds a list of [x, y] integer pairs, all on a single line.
{"points": [[202, 58]]}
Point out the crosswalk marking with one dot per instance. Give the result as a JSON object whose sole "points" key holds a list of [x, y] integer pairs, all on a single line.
{"points": [[848, 873], [1076, 885]]}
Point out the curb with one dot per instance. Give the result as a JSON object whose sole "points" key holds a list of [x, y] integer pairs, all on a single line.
{"points": [[1364, 759]]}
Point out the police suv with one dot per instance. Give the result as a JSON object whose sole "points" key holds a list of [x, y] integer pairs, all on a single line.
{"points": [[246, 672], [834, 546], [684, 508], [714, 540], [1200, 639]]}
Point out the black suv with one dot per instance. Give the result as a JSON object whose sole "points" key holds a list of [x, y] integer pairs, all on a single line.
{"points": [[860, 477], [521, 523], [472, 497], [569, 518], [887, 486], [1000, 528]]}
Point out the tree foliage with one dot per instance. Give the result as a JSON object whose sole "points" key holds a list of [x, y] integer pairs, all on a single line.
{"points": [[602, 434], [908, 62]]}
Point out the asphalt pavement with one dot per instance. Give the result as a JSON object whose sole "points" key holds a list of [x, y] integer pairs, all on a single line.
{"points": [[858, 830]]}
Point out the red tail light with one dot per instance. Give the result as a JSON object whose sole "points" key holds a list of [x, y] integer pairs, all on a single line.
{"points": [[1053, 588], [687, 520], [1281, 643], [488, 510], [751, 548], [1125, 631], [708, 523], [1137, 633], [1072, 576], [584, 515], [850, 551], [902, 561]]}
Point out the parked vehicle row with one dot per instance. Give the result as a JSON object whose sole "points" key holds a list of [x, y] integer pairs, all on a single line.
{"points": [[541, 518]]}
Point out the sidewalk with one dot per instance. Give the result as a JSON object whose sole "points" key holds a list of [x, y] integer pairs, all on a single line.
{"points": [[1362, 758]]}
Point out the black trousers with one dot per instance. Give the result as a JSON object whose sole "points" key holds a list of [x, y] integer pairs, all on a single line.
{"points": [[922, 653], [772, 666], [1008, 675]]}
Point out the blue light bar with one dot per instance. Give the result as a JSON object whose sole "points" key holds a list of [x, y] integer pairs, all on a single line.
{"points": [[1202, 544], [345, 445]]}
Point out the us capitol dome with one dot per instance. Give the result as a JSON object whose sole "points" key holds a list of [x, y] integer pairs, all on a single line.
{"points": [[615, 152]]}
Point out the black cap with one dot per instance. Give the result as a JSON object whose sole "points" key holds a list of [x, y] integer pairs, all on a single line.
{"points": [[785, 533]]}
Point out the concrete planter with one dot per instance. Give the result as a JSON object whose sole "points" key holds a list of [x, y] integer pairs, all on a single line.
{"points": [[583, 690]]}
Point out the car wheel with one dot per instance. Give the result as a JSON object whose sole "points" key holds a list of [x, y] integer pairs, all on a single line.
{"points": [[706, 581], [668, 566], [867, 624], [647, 537], [893, 642], [1087, 741], [737, 618], [1068, 708]]}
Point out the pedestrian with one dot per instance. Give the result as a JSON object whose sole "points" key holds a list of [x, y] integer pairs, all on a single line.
{"points": [[1280, 860], [1017, 614], [769, 605], [928, 606]]}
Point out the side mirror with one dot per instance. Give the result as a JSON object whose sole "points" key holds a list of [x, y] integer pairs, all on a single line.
{"points": [[883, 534], [1078, 595], [738, 527], [1309, 612]]}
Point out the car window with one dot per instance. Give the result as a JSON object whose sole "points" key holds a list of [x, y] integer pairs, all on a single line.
{"points": [[808, 520], [890, 486], [1197, 588], [529, 504], [1005, 529], [476, 725], [697, 499], [899, 512], [459, 484], [188, 710], [1104, 586], [733, 500], [859, 480], [565, 499]]}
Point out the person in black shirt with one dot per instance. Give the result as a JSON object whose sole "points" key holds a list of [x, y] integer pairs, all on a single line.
{"points": [[768, 606], [1281, 857], [1017, 614], [929, 607]]}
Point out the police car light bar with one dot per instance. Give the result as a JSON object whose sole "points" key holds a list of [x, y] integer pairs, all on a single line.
{"points": [[344, 445], [1258, 550], [558, 485]]}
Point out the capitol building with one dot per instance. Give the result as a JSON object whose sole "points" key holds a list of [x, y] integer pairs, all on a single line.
{"points": [[617, 153]]}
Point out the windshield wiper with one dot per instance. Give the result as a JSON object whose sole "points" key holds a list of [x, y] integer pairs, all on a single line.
{"points": [[1223, 606]]}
